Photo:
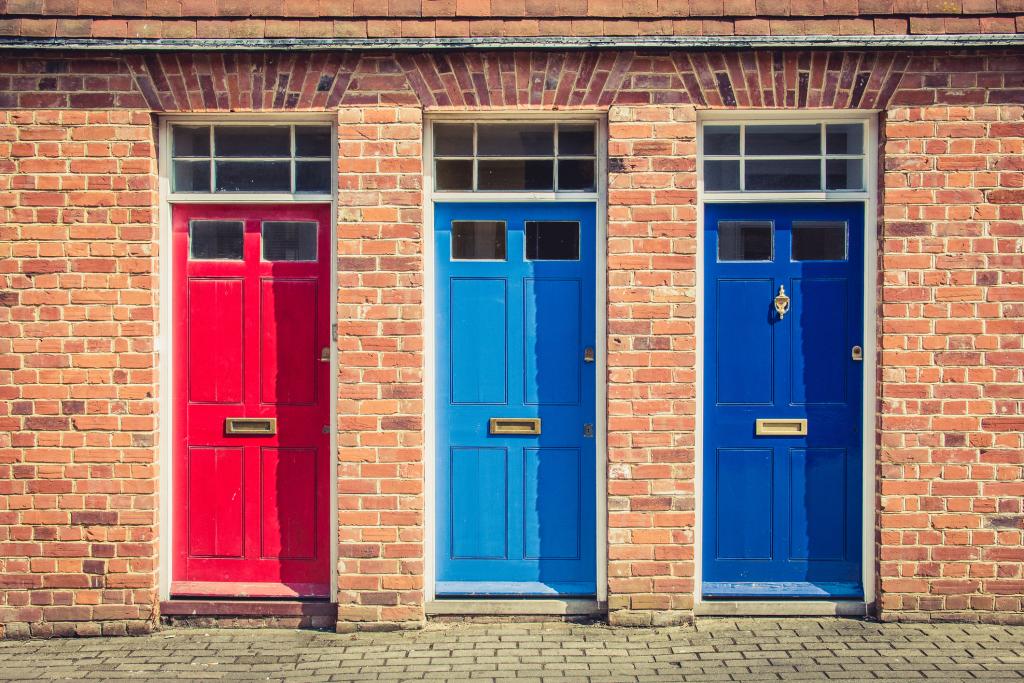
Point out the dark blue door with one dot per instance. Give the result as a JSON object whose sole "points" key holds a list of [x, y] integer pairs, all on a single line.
{"points": [[782, 400], [515, 399]]}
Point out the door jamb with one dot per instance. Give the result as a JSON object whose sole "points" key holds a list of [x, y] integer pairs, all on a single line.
{"points": [[165, 338], [599, 199], [869, 197]]}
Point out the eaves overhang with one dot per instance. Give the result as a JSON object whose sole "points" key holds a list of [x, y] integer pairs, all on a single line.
{"points": [[965, 40]]}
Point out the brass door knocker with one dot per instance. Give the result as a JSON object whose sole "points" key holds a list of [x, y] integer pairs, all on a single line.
{"points": [[782, 302]]}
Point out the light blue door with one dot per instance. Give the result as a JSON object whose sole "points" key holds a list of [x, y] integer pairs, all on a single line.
{"points": [[783, 329], [515, 399]]}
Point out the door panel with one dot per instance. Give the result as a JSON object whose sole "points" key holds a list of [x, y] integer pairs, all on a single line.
{"points": [[515, 306], [782, 511], [251, 511]]}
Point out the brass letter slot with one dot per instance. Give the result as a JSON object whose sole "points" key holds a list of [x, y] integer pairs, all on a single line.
{"points": [[250, 425], [515, 425], [780, 427]]}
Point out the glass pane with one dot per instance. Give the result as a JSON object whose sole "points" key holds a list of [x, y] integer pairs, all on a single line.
{"points": [[844, 174], [819, 240], [289, 241], [512, 140], [783, 174], [721, 140], [191, 141], [478, 240], [453, 139], [191, 176], [552, 240], [777, 140], [576, 174], [313, 176], [312, 141], [253, 176], [575, 139], [252, 141], [515, 174], [454, 174], [744, 241], [721, 175], [215, 239], [844, 138]]}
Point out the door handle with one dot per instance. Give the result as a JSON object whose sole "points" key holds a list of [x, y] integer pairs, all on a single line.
{"points": [[514, 425], [768, 426], [256, 426]]}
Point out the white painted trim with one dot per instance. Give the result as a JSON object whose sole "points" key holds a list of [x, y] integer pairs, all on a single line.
{"points": [[165, 337], [599, 199], [870, 340]]}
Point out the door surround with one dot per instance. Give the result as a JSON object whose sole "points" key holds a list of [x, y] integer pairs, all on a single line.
{"points": [[599, 198], [165, 289], [869, 197]]}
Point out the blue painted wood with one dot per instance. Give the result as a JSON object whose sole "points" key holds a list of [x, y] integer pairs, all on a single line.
{"points": [[516, 515], [782, 515]]}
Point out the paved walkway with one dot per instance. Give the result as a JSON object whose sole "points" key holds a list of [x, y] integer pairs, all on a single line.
{"points": [[714, 650]]}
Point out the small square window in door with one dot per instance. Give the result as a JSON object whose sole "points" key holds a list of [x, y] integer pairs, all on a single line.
{"points": [[478, 240], [819, 240], [552, 240], [745, 241], [289, 241], [215, 240]]}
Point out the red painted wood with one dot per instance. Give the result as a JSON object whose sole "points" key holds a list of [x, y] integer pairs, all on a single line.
{"points": [[251, 513]]}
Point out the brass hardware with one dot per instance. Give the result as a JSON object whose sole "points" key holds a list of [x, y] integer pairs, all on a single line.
{"points": [[250, 425], [588, 354], [781, 302], [325, 354], [857, 353], [515, 425], [588, 430], [780, 427]]}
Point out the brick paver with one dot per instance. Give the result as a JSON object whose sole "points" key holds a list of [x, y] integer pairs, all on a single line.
{"points": [[713, 650]]}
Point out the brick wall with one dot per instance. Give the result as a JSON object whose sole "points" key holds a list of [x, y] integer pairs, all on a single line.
{"points": [[78, 533], [78, 536], [952, 323], [190, 19]]}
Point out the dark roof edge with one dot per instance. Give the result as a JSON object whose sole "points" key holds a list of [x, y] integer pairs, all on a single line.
{"points": [[964, 40]]}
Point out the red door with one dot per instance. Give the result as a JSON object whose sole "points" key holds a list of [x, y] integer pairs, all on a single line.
{"points": [[251, 462]]}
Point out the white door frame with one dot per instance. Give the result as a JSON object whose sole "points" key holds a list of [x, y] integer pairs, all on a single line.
{"points": [[165, 302], [599, 199], [869, 410]]}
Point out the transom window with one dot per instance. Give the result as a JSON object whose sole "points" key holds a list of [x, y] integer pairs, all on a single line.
{"points": [[784, 157], [216, 159], [515, 157]]}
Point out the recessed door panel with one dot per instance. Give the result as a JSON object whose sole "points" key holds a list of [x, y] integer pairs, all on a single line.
{"points": [[551, 514], [479, 310], [820, 346], [288, 503], [216, 362], [782, 429], [479, 503], [288, 363], [744, 497], [745, 354], [215, 484], [817, 503], [551, 348]]}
